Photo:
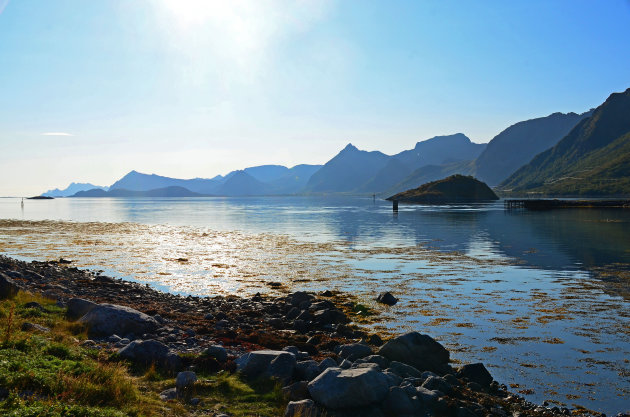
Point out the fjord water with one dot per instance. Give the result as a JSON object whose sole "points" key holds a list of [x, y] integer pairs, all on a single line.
{"points": [[542, 298]]}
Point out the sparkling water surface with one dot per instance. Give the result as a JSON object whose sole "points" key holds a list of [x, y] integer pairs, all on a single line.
{"points": [[540, 297]]}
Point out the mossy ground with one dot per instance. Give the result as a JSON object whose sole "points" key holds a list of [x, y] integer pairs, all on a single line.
{"points": [[50, 374]]}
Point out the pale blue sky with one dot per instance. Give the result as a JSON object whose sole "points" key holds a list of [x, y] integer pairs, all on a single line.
{"points": [[195, 88]]}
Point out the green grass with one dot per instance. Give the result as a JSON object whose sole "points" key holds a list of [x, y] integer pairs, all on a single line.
{"points": [[49, 374]]}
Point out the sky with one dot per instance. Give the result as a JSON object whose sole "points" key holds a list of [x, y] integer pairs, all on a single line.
{"points": [[90, 90]]}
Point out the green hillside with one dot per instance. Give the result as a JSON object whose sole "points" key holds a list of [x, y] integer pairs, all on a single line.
{"points": [[593, 159]]}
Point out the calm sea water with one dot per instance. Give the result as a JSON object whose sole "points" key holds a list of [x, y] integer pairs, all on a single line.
{"points": [[542, 298]]}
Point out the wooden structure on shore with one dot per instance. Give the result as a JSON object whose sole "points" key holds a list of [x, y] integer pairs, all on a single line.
{"points": [[549, 204]]}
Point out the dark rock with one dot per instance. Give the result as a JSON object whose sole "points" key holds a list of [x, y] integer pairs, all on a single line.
{"points": [[387, 298], [327, 363], [108, 319], [437, 383], [296, 391], [403, 370], [146, 352], [300, 326], [303, 408], [217, 352], [374, 340], [326, 293], [293, 313], [256, 363], [36, 306], [33, 327], [282, 367], [307, 370], [184, 383], [398, 403], [299, 297], [377, 359], [476, 372], [347, 388], [8, 287], [78, 307], [418, 350], [354, 351], [464, 412], [169, 394]]}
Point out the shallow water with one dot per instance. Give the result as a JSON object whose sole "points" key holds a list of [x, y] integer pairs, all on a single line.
{"points": [[540, 297]]}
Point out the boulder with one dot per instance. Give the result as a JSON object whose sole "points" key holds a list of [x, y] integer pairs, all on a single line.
{"points": [[398, 403], [8, 287], [476, 372], [307, 370], [282, 367], [354, 351], [377, 359], [387, 298], [349, 388], [34, 327], [437, 383], [108, 319], [184, 383], [146, 352], [78, 307], [298, 298], [217, 352], [303, 408], [169, 394], [404, 370], [418, 350], [296, 391], [257, 363]]}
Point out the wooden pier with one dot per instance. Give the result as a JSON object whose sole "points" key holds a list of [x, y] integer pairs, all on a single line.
{"points": [[550, 204]]}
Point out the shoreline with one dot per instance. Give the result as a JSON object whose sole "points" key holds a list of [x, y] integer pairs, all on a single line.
{"points": [[240, 325]]}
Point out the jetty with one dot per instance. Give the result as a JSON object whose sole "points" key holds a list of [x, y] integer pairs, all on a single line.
{"points": [[550, 204]]}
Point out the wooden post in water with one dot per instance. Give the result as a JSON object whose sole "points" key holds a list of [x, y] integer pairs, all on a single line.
{"points": [[395, 206]]}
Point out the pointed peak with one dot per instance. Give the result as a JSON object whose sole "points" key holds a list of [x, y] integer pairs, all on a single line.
{"points": [[350, 147]]}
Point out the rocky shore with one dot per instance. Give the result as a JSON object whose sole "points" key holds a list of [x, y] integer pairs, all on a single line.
{"points": [[327, 365]]}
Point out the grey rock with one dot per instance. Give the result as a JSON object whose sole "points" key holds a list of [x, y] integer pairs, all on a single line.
{"points": [[184, 382], [78, 307], [217, 352], [194, 401], [394, 380], [387, 298], [418, 350], [291, 349], [398, 402], [307, 370], [169, 394], [108, 319], [256, 363], [354, 351], [282, 367], [327, 363], [146, 352], [296, 391], [303, 408], [8, 287], [437, 383], [476, 372], [33, 327], [381, 361], [403, 370], [429, 398], [347, 388], [345, 364], [298, 298]]}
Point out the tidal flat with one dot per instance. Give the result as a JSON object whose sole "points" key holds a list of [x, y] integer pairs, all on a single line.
{"points": [[561, 336]]}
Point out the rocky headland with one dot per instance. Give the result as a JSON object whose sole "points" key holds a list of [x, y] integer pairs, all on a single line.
{"points": [[326, 365]]}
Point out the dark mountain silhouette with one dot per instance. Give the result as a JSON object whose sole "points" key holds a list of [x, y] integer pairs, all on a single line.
{"points": [[430, 173], [241, 183], [593, 159], [393, 172], [519, 143], [72, 189], [120, 192], [454, 189], [347, 171]]}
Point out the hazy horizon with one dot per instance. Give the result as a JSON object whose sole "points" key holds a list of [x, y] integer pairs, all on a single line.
{"points": [[192, 88]]}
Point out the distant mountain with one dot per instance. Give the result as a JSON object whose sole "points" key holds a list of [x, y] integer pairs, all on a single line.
{"points": [[347, 171], [454, 189], [159, 192], [441, 150], [267, 173], [137, 181], [593, 159], [437, 151], [294, 180], [241, 183], [72, 189], [430, 173], [519, 143]]}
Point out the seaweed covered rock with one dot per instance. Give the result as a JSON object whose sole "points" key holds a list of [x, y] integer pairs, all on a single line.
{"points": [[418, 350]]}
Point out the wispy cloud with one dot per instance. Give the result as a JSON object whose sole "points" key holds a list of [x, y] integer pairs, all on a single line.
{"points": [[57, 134]]}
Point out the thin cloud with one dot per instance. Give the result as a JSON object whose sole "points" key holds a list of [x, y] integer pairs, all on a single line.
{"points": [[57, 134]]}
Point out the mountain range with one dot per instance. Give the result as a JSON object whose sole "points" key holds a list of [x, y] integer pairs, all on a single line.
{"points": [[543, 155]]}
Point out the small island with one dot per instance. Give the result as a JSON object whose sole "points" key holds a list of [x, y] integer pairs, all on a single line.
{"points": [[40, 197], [454, 189]]}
